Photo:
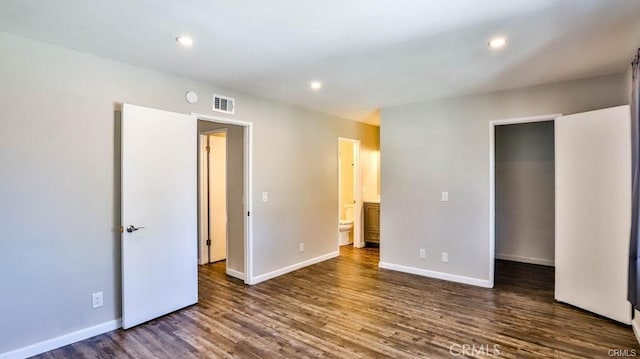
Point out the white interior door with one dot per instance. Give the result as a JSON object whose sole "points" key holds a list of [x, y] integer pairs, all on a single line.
{"points": [[203, 228], [218, 196], [593, 211], [159, 260]]}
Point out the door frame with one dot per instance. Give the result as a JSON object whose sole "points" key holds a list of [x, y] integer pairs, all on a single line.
{"points": [[201, 178], [358, 240], [492, 180], [248, 187]]}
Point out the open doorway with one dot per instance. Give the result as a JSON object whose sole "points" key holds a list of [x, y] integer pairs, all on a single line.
{"points": [[160, 202], [524, 187], [222, 177], [349, 193]]}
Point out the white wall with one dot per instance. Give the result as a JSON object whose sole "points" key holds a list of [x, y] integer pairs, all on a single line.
{"points": [[370, 167], [524, 188], [59, 182], [443, 145]]}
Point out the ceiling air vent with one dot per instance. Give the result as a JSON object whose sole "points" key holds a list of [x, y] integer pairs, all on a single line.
{"points": [[224, 104]]}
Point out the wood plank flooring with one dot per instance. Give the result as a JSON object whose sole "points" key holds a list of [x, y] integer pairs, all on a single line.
{"points": [[348, 308]]}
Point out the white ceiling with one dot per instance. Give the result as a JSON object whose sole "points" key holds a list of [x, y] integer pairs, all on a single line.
{"points": [[368, 53]]}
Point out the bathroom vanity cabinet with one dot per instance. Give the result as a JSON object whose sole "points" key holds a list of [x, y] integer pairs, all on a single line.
{"points": [[372, 224]]}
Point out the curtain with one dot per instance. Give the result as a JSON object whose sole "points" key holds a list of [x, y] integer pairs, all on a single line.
{"points": [[634, 249]]}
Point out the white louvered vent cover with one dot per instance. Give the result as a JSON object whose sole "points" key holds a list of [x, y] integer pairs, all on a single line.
{"points": [[224, 104]]}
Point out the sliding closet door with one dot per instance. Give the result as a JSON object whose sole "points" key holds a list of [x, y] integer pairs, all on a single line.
{"points": [[593, 211]]}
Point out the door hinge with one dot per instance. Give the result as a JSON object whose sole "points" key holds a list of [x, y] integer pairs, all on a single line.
{"points": [[248, 214], [208, 149], [121, 229], [208, 242]]}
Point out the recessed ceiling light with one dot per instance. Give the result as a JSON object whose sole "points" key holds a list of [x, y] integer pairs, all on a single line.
{"points": [[315, 85], [497, 43], [185, 41]]}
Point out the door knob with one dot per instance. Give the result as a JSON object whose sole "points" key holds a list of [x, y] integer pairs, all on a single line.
{"points": [[132, 229]]}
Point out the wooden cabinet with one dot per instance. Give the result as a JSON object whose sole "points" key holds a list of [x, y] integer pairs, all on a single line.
{"points": [[372, 224]]}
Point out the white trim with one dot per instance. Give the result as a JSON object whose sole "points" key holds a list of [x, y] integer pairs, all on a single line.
{"points": [[225, 120], [248, 166], [293, 267], [530, 119], [248, 187], [530, 260], [437, 275], [492, 179], [235, 274], [358, 236], [358, 239], [58, 342], [636, 328]]}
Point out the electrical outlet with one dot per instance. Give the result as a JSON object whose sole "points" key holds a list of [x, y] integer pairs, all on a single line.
{"points": [[423, 254], [301, 247], [97, 300], [445, 257]]}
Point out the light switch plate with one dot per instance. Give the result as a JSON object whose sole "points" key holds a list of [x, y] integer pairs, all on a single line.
{"points": [[445, 196], [265, 196]]}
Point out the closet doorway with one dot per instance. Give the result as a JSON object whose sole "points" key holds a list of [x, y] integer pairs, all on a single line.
{"points": [[522, 197], [592, 191], [525, 193], [525, 207]]}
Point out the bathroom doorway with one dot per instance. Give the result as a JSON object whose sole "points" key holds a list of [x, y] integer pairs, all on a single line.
{"points": [[349, 193]]}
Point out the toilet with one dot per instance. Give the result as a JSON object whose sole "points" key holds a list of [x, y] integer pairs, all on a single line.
{"points": [[345, 226]]}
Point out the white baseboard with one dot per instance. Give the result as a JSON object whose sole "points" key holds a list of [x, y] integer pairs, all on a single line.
{"points": [[530, 260], [54, 343], [438, 275], [636, 326], [235, 274], [291, 268]]}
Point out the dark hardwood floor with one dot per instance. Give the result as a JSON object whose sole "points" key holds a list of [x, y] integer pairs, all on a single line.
{"points": [[348, 308]]}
